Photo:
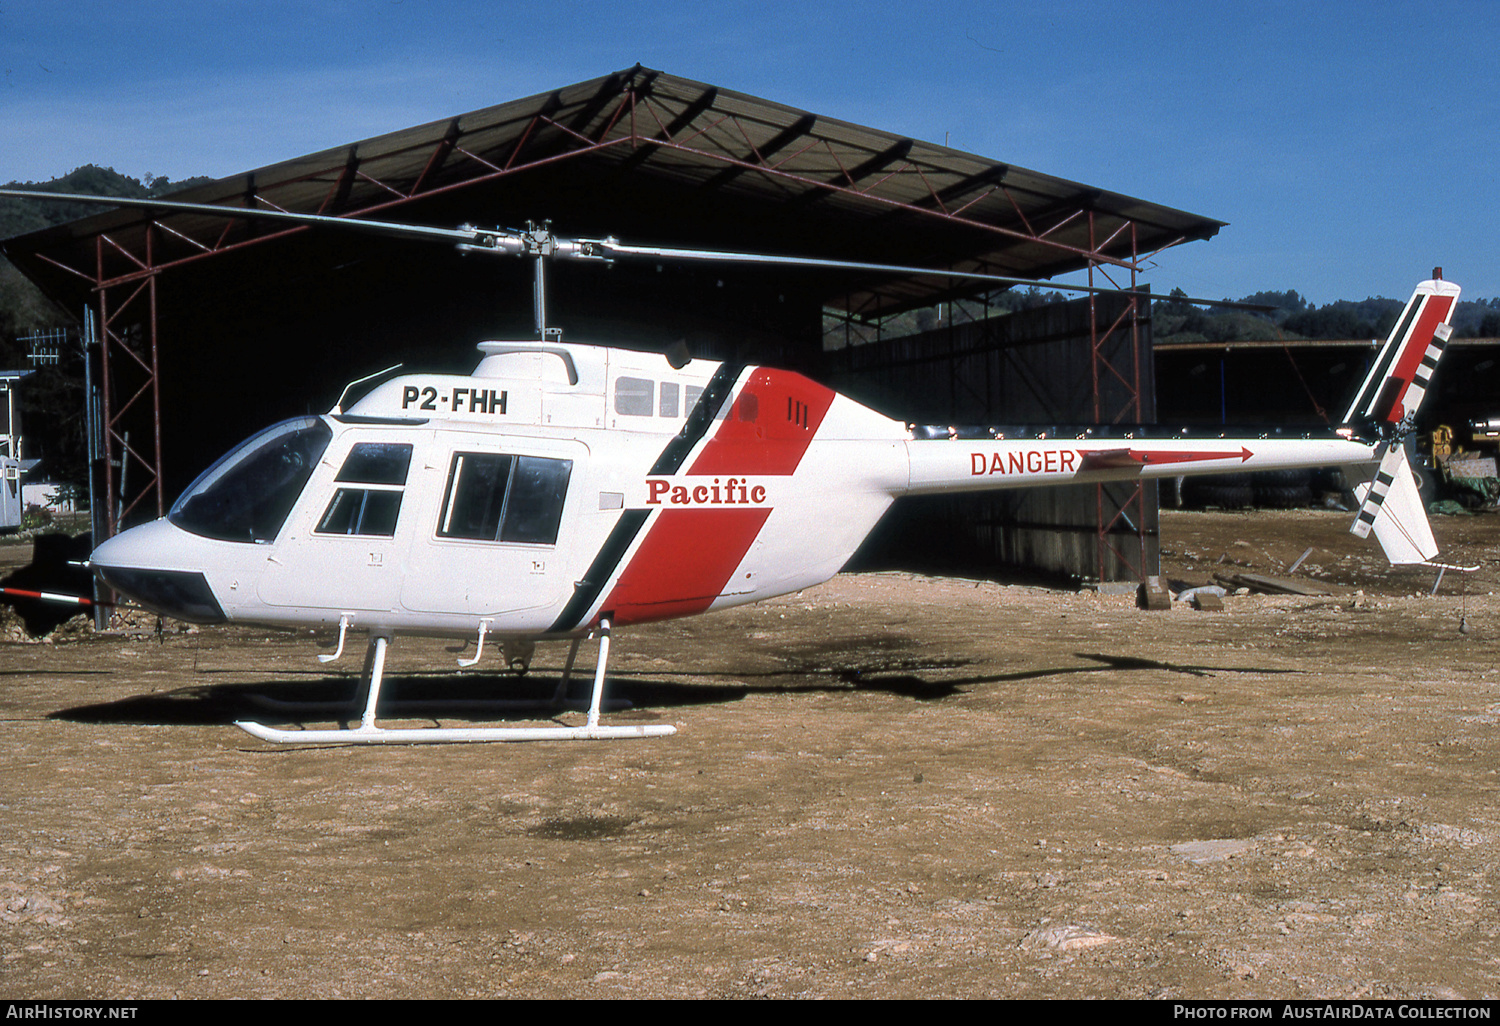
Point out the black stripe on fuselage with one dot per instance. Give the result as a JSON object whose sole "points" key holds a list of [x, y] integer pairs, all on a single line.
{"points": [[704, 413], [1381, 385]]}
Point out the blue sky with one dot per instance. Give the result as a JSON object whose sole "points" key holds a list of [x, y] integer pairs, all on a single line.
{"points": [[1351, 146]]}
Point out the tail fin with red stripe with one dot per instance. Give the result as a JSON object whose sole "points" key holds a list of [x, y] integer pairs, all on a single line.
{"points": [[1397, 381]]}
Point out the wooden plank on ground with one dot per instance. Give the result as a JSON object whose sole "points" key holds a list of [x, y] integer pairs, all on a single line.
{"points": [[1281, 585]]}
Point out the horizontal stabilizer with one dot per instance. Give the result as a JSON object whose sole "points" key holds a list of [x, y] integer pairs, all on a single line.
{"points": [[1391, 507]]}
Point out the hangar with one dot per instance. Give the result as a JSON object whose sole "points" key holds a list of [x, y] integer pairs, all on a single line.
{"points": [[210, 329]]}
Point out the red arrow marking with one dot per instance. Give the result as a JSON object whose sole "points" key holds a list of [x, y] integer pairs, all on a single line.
{"points": [[1193, 457], [1113, 458]]}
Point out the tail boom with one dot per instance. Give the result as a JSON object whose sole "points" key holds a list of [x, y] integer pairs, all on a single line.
{"points": [[957, 465], [1383, 410]]}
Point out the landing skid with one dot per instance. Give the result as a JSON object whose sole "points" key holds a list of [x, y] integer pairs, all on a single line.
{"points": [[368, 733], [415, 706]]}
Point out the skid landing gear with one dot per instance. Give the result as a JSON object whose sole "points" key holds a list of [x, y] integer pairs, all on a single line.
{"points": [[368, 733]]}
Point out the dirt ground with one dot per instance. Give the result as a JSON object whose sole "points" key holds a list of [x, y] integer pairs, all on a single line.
{"points": [[892, 786]]}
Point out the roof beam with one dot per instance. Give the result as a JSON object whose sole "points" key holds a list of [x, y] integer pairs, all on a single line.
{"points": [[611, 88], [439, 156], [798, 129], [942, 198], [671, 129], [851, 177], [340, 195]]}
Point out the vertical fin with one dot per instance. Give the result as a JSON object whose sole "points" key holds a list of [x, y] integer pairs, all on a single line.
{"points": [[1397, 381], [1391, 508]]}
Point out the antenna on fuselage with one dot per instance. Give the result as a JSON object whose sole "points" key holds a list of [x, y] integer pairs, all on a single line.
{"points": [[338, 407]]}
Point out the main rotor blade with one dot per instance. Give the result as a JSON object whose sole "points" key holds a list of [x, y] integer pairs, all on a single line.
{"points": [[459, 235], [541, 242], [611, 249]]}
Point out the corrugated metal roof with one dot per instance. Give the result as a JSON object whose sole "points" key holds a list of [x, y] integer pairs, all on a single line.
{"points": [[650, 157]]}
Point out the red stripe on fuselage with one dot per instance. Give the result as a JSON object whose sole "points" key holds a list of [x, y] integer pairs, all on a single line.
{"points": [[687, 557], [769, 427], [684, 563]]}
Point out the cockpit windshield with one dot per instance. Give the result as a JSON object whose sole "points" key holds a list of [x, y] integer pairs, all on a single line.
{"points": [[247, 494]]}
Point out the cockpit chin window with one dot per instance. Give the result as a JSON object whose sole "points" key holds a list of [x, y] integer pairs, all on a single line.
{"points": [[246, 495]]}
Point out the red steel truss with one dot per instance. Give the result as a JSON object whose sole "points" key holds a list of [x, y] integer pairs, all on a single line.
{"points": [[129, 365], [1131, 509]]}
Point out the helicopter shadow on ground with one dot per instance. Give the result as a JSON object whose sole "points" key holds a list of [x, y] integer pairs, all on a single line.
{"points": [[474, 696], [340, 698], [938, 683], [485, 696]]}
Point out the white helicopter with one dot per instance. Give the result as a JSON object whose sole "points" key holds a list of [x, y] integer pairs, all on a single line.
{"points": [[562, 490]]}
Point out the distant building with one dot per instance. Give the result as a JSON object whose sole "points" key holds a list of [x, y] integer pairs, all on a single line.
{"points": [[12, 466]]}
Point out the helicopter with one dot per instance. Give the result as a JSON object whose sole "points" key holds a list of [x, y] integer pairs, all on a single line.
{"points": [[562, 490]]}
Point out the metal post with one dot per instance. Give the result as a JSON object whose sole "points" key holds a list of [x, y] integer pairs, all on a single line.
{"points": [[107, 390], [98, 519]]}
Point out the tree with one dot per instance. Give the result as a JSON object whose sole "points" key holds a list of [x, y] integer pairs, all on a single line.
{"points": [[23, 308]]}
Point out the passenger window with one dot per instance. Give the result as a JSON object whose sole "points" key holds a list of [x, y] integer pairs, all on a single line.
{"points": [[494, 497], [668, 407], [690, 397], [372, 510], [533, 510], [475, 497], [633, 396]]}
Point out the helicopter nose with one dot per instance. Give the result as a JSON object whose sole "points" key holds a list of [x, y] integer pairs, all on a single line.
{"points": [[145, 564]]}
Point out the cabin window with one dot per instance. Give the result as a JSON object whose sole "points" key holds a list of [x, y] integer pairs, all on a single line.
{"points": [[690, 395], [496, 497], [360, 511], [633, 396], [668, 407], [383, 463], [371, 510], [247, 495]]}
